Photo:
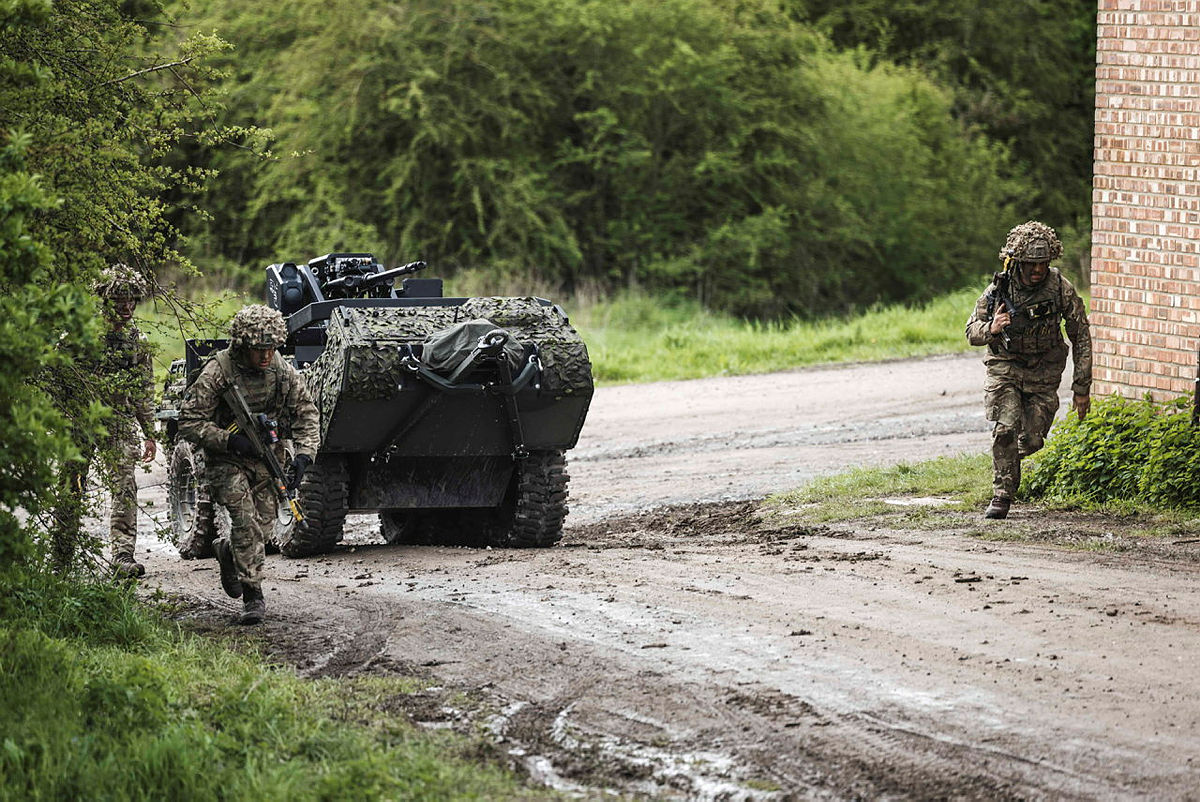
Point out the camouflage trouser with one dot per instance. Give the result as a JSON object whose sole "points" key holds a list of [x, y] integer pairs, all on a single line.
{"points": [[245, 490], [118, 459], [122, 523], [1022, 404]]}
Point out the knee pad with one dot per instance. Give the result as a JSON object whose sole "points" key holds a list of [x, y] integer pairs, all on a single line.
{"points": [[1031, 442]]}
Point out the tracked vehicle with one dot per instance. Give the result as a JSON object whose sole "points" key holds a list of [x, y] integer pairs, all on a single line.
{"points": [[448, 417]]}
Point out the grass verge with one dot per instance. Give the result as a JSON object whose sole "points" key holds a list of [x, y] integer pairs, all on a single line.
{"points": [[961, 482], [949, 494], [637, 338], [100, 699]]}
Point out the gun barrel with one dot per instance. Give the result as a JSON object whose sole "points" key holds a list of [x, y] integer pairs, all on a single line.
{"points": [[387, 275]]}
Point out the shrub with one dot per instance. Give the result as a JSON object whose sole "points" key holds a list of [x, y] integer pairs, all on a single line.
{"points": [[1127, 450]]}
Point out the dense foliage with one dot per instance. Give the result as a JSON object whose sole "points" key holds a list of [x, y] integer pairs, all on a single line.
{"points": [[718, 149], [1022, 70], [1130, 451], [87, 112]]}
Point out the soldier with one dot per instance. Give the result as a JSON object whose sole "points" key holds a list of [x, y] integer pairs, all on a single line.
{"points": [[1018, 319], [236, 477], [126, 379]]}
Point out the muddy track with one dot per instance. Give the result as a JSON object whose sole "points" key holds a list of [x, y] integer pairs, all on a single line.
{"points": [[680, 644]]}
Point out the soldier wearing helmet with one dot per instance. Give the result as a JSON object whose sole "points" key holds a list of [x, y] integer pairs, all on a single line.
{"points": [[237, 478], [126, 375], [1020, 318]]}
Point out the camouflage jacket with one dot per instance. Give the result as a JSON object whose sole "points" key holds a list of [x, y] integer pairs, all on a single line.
{"points": [[279, 391], [1035, 340], [127, 371]]}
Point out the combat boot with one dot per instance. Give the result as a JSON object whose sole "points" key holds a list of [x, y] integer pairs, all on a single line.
{"points": [[254, 607], [998, 508], [229, 574], [125, 567]]}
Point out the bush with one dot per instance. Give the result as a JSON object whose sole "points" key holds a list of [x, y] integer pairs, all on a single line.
{"points": [[1139, 451]]}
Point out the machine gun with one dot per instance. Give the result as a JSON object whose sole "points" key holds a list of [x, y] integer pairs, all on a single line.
{"points": [[262, 433], [361, 282]]}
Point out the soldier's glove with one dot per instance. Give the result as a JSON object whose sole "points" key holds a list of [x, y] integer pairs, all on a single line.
{"points": [[300, 464], [240, 444]]}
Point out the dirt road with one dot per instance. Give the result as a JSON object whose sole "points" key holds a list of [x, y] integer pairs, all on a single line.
{"points": [[678, 644]]}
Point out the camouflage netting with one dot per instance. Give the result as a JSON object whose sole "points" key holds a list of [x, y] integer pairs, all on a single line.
{"points": [[362, 353], [566, 368], [1031, 242]]}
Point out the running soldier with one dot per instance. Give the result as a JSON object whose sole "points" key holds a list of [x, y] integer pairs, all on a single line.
{"points": [[237, 478], [1019, 318]]}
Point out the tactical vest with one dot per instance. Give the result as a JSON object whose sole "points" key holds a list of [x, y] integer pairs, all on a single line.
{"points": [[263, 393], [121, 350], [1036, 328], [122, 381]]}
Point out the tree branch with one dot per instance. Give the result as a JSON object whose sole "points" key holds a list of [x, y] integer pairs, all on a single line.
{"points": [[149, 69]]}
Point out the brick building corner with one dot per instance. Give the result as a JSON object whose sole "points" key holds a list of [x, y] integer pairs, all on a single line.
{"points": [[1145, 268]]}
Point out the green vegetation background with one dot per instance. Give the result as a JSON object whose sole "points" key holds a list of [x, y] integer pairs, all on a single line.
{"points": [[762, 158]]}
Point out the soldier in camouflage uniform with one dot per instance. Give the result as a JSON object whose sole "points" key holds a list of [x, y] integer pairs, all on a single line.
{"points": [[237, 478], [1019, 319], [125, 376]]}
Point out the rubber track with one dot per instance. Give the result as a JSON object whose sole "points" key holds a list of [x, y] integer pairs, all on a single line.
{"points": [[324, 497], [540, 503]]}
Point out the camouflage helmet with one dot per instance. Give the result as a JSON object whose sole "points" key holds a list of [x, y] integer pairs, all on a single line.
{"points": [[257, 326], [1031, 242], [120, 281]]}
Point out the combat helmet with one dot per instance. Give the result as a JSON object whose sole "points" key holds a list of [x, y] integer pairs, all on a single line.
{"points": [[257, 326], [120, 281], [1031, 242]]}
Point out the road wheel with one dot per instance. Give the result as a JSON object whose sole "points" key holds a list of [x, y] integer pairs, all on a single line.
{"points": [[281, 529], [324, 500], [189, 504]]}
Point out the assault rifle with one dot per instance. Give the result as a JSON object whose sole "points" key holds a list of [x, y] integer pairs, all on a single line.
{"points": [[1002, 297], [262, 433]]}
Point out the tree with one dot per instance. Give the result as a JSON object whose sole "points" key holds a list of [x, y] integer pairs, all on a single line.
{"points": [[1023, 71], [87, 112]]}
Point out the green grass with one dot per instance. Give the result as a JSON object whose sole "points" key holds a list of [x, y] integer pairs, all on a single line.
{"points": [[963, 480], [166, 327], [100, 699], [636, 338]]}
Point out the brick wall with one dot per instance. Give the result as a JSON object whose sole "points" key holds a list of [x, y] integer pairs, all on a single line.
{"points": [[1146, 198]]}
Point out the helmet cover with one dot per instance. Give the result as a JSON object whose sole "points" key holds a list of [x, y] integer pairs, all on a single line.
{"points": [[257, 326], [120, 281], [1031, 242]]}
